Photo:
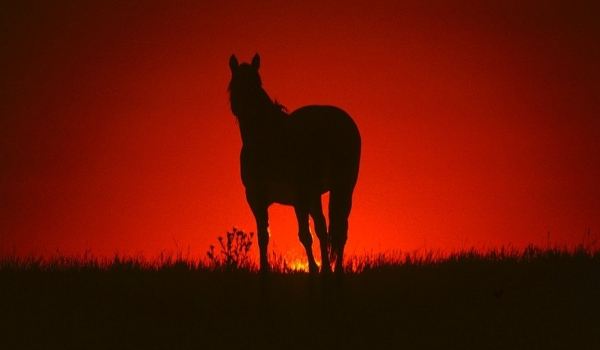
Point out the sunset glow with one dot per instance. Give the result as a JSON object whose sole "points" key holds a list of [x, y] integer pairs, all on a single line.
{"points": [[298, 265], [479, 121]]}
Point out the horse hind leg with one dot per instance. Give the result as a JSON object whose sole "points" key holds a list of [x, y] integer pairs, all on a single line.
{"points": [[305, 236], [340, 204], [316, 213]]}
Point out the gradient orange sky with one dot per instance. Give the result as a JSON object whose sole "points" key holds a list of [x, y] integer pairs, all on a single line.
{"points": [[480, 120]]}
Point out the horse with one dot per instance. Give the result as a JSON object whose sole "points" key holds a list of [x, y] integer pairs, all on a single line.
{"points": [[293, 159]]}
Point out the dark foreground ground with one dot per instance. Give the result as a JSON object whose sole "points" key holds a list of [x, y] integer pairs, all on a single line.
{"points": [[545, 304]]}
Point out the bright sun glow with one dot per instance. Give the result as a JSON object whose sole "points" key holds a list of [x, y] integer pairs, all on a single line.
{"points": [[298, 265]]}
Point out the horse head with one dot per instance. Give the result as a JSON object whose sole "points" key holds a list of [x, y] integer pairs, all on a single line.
{"points": [[249, 102], [245, 80]]}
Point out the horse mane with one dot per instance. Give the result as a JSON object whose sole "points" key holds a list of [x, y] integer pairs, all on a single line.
{"points": [[281, 108]]}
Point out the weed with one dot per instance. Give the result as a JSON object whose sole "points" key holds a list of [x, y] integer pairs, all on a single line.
{"points": [[234, 254]]}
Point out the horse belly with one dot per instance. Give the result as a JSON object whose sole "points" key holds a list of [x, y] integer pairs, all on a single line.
{"points": [[287, 194], [282, 193]]}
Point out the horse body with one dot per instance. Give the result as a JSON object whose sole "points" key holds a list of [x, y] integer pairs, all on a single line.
{"points": [[293, 159]]}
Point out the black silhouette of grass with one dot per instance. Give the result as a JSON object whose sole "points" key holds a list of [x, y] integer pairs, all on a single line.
{"points": [[504, 298]]}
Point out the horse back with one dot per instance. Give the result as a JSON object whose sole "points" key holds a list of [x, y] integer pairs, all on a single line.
{"points": [[330, 135], [306, 151]]}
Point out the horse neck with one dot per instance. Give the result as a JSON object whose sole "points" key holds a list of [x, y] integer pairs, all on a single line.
{"points": [[258, 118]]}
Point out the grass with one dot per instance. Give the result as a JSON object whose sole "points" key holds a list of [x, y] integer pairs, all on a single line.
{"points": [[366, 263], [501, 298]]}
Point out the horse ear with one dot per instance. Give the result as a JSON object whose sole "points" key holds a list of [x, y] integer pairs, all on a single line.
{"points": [[233, 62], [256, 61]]}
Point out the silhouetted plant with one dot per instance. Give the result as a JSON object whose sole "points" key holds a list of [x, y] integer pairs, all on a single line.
{"points": [[234, 252]]}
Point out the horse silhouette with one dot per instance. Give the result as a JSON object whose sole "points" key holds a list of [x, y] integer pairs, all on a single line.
{"points": [[293, 159]]}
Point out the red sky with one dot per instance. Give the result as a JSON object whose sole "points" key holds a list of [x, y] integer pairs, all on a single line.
{"points": [[480, 120]]}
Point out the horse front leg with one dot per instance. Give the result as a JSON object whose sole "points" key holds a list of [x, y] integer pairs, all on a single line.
{"points": [[262, 227], [261, 215], [305, 236]]}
